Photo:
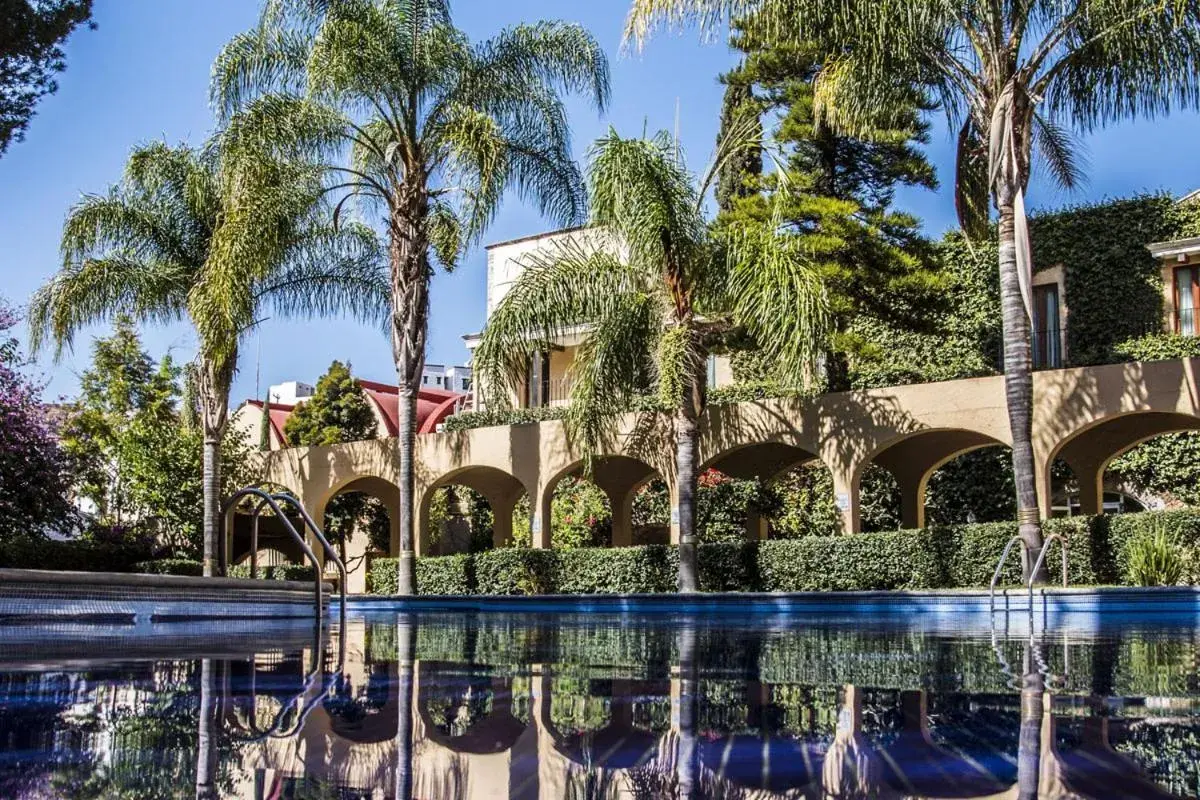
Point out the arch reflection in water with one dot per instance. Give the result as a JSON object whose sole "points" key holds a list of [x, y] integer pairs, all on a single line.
{"points": [[442, 707]]}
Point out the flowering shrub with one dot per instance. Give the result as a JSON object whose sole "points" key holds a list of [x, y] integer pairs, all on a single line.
{"points": [[34, 475]]}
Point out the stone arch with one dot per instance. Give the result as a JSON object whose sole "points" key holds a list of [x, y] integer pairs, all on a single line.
{"points": [[912, 459], [618, 477], [357, 547], [765, 460], [1089, 449], [500, 488], [238, 525]]}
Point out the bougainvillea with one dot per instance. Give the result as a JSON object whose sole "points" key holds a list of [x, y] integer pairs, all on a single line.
{"points": [[33, 469]]}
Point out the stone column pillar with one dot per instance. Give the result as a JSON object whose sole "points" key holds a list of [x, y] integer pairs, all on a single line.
{"points": [[539, 524], [502, 520], [757, 527], [846, 497], [912, 500], [1089, 476], [621, 504]]}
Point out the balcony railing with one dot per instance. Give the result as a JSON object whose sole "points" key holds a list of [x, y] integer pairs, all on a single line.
{"points": [[1047, 348], [1186, 321]]}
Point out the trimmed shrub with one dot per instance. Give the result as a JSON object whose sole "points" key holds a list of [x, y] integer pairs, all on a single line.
{"points": [[1098, 552], [441, 575], [381, 575], [621, 570], [282, 572], [897, 560], [170, 566], [517, 570]]}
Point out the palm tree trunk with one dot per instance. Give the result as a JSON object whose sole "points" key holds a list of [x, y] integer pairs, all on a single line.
{"points": [[1018, 388], [214, 376], [212, 503], [406, 441], [410, 320], [686, 436]]}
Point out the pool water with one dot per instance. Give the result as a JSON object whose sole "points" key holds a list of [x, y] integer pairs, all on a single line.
{"points": [[479, 705]]}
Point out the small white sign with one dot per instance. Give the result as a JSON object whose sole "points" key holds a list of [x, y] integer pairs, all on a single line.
{"points": [[674, 516], [536, 525], [843, 501]]}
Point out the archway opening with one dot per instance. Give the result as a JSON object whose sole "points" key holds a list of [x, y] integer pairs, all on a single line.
{"points": [[473, 509], [976, 486], [461, 520], [359, 523], [596, 507], [1129, 463]]}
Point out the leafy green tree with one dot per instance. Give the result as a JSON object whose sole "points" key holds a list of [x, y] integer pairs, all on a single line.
{"points": [[339, 412], [220, 241], [118, 390], [656, 305], [839, 197], [437, 130], [1010, 76], [31, 37]]}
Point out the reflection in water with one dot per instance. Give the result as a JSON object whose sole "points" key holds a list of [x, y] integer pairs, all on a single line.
{"points": [[441, 707]]}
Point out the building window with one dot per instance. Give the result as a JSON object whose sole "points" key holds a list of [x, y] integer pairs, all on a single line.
{"points": [[438, 380], [537, 387], [424, 380], [466, 384], [1047, 327], [1187, 299]]}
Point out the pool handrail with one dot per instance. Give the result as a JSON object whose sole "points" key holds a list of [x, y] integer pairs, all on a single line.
{"points": [[329, 551], [269, 500], [1037, 565], [996, 574]]}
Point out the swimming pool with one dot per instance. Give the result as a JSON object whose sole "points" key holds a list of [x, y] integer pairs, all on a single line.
{"points": [[571, 705]]}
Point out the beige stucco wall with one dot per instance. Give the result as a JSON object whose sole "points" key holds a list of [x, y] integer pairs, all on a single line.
{"points": [[1086, 416]]}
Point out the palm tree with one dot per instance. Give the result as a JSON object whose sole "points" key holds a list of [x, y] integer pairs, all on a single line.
{"points": [[198, 235], [659, 290], [1011, 75], [422, 127]]}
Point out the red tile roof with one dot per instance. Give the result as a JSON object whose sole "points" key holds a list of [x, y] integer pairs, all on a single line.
{"points": [[433, 406]]}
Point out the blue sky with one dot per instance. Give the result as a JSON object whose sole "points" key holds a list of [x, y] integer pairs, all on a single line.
{"points": [[143, 75]]}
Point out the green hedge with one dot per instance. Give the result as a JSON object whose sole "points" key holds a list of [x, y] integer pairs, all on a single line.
{"points": [[170, 566], [937, 558], [282, 572], [77, 555]]}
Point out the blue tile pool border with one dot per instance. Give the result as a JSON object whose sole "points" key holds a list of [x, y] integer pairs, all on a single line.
{"points": [[1118, 599]]}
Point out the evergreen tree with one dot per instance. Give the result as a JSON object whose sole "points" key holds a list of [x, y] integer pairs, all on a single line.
{"points": [[338, 412], [839, 196], [119, 386], [31, 36]]}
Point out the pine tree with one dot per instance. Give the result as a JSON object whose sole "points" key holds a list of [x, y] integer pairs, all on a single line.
{"points": [[840, 193]]}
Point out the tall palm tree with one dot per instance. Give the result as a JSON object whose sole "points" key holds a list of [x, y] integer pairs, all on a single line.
{"points": [[659, 290], [423, 128], [199, 235], [1011, 75]]}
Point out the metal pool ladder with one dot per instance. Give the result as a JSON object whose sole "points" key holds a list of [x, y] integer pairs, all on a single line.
{"points": [[1036, 567], [273, 501]]}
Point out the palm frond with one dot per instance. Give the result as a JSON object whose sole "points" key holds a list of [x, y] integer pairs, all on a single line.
{"points": [[613, 364], [98, 289], [562, 287], [1060, 152], [777, 293]]}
